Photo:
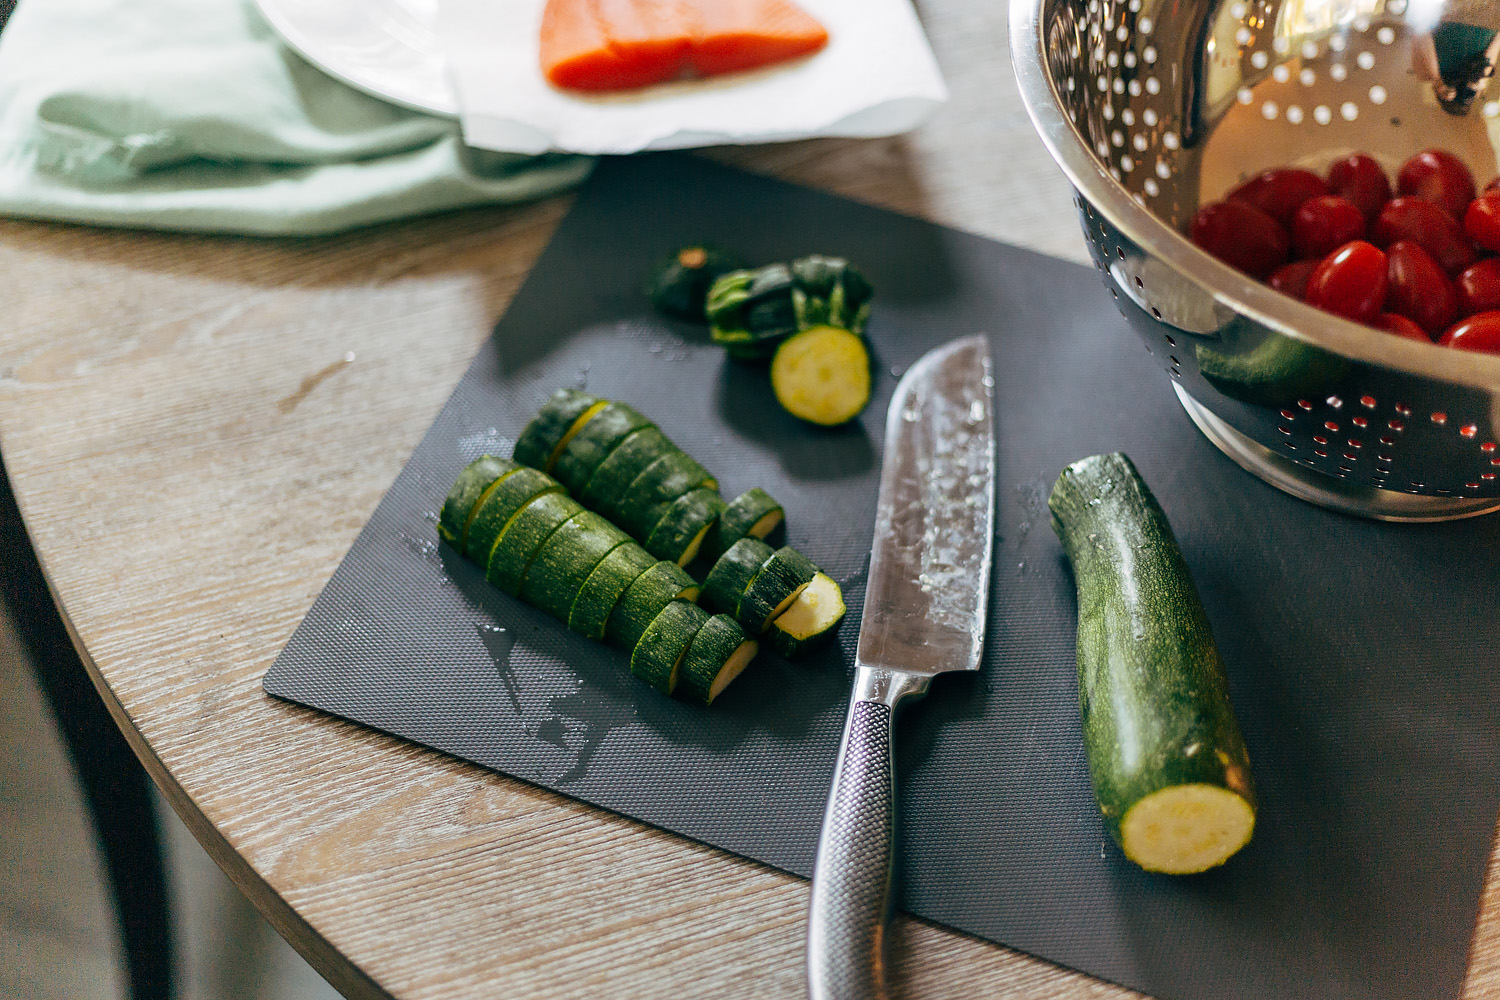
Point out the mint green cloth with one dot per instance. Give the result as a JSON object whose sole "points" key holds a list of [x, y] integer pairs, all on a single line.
{"points": [[192, 114]]}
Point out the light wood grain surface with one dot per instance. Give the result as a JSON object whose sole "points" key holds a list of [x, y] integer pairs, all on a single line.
{"points": [[197, 428]]}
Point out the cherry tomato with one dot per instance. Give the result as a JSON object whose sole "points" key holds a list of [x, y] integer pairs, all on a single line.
{"points": [[1479, 287], [1240, 235], [1418, 288], [1426, 225], [1400, 326], [1360, 179], [1482, 221], [1291, 279], [1323, 224], [1480, 332], [1350, 282], [1438, 177], [1279, 193]]}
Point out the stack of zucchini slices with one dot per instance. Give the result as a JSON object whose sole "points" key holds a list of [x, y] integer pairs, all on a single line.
{"points": [[595, 519]]}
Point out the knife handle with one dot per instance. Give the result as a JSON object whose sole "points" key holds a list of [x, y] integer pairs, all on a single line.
{"points": [[851, 887]]}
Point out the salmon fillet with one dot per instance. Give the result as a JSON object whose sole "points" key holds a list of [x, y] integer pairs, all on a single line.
{"points": [[602, 45]]}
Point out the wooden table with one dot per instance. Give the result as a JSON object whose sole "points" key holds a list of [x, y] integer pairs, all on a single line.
{"points": [[197, 428]]}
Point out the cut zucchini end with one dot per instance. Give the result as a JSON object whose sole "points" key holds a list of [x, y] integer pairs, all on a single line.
{"points": [[811, 620], [573, 429], [690, 594], [733, 667], [770, 522], [790, 599], [691, 552], [1185, 829], [822, 375]]}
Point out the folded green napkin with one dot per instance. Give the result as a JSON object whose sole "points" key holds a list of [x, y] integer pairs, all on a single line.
{"points": [[191, 114]]}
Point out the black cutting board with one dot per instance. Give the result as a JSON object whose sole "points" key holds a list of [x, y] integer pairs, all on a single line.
{"points": [[1361, 655]]}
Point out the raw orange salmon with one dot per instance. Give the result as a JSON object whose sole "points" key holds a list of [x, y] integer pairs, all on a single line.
{"points": [[603, 45]]}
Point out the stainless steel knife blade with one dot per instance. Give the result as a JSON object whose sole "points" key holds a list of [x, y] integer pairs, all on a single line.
{"points": [[925, 612]]}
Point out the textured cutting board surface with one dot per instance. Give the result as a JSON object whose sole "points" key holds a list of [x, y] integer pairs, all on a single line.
{"points": [[1360, 654]]}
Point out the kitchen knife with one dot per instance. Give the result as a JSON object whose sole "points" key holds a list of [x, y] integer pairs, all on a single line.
{"points": [[925, 609]]}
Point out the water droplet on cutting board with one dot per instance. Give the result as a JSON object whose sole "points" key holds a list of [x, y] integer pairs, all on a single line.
{"points": [[553, 731], [498, 642]]}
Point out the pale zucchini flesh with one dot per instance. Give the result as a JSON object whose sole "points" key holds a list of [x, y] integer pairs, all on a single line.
{"points": [[822, 375], [812, 619], [1185, 829]]}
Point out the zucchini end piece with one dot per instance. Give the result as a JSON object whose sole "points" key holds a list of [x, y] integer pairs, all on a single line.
{"points": [[812, 619], [1186, 829], [822, 375]]}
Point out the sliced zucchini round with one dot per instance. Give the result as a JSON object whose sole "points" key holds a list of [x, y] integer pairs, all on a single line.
{"points": [[1186, 829], [559, 416], [662, 482], [604, 588], [566, 560], [586, 450], [733, 572], [822, 375], [607, 486], [659, 652], [681, 530], [643, 600], [812, 619], [499, 504], [519, 543], [463, 499], [752, 514], [780, 581], [717, 655]]}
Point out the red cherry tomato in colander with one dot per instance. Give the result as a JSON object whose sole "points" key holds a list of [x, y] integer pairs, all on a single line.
{"points": [[1479, 287], [1241, 236], [1482, 221], [1400, 326], [1323, 224], [1360, 179], [1418, 288], [1279, 193], [1480, 332], [1439, 177], [1291, 279], [1350, 282], [1426, 225]]}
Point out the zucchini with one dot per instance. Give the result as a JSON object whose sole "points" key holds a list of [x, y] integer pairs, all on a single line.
{"points": [[566, 560], [752, 514], [678, 286], [733, 572], [831, 291], [644, 599], [604, 588], [659, 652], [583, 452], [822, 375], [812, 619], [499, 504], [750, 312], [679, 533], [524, 536], [781, 579], [463, 499], [656, 489], [607, 486], [716, 656], [1168, 762], [560, 417]]}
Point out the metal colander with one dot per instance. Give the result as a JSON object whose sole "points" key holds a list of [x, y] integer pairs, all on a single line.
{"points": [[1155, 107]]}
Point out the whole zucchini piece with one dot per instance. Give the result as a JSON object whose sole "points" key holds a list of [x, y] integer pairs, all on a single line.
{"points": [[752, 514], [716, 656], [463, 499], [733, 572], [1169, 764], [678, 286], [560, 417], [680, 531], [822, 375], [659, 652], [811, 620], [750, 312]]}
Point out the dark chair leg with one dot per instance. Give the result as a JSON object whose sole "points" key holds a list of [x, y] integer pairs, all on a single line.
{"points": [[116, 786]]}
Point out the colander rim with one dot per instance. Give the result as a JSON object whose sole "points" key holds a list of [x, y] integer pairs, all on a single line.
{"points": [[1229, 287]]}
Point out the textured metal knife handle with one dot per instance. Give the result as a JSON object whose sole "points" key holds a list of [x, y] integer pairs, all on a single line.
{"points": [[851, 889]]}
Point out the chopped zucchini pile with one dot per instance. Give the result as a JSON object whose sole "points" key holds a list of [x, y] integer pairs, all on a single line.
{"points": [[1169, 764], [601, 544], [807, 318]]}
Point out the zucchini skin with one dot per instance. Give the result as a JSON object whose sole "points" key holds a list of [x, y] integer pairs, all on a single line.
{"points": [[606, 487], [604, 587], [471, 484], [539, 438], [524, 537], [733, 572], [566, 560], [656, 489], [685, 522], [588, 448], [1151, 684], [501, 502], [781, 578], [739, 519]]}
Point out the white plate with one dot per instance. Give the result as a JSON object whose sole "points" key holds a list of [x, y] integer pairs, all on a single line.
{"points": [[386, 48]]}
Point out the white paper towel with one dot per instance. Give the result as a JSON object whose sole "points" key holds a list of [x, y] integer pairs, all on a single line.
{"points": [[877, 76]]}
